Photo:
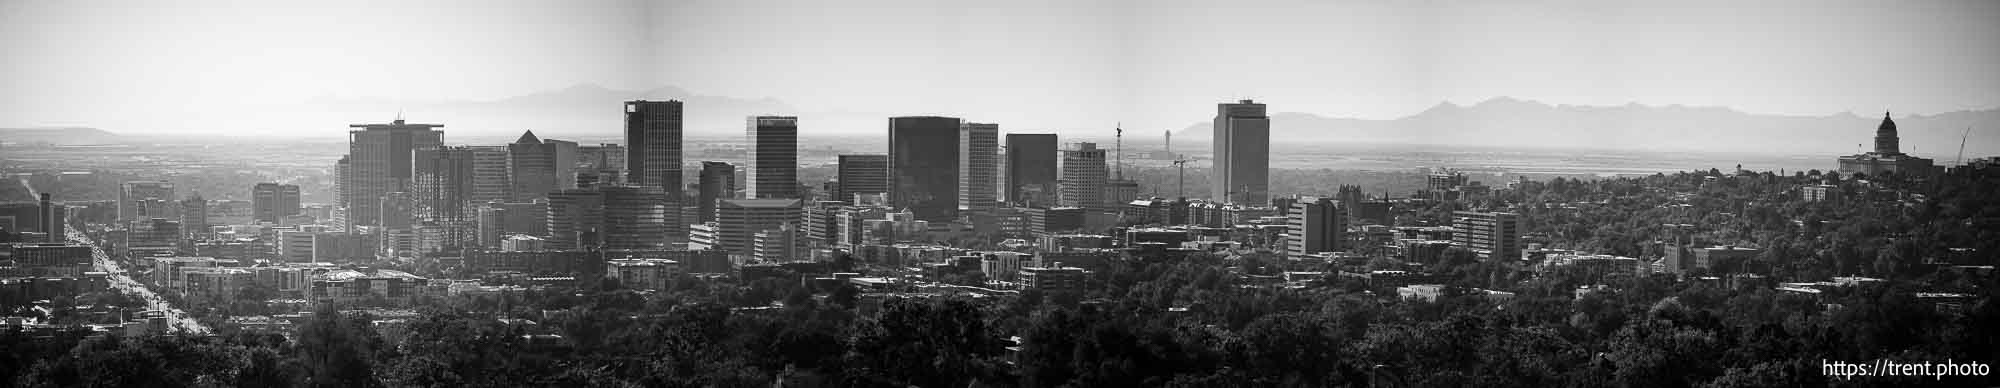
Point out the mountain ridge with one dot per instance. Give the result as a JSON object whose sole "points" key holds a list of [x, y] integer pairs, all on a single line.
{"points": [[1508, 121]]}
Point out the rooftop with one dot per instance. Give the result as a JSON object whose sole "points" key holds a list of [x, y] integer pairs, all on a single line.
{"points": [[351, 274]]}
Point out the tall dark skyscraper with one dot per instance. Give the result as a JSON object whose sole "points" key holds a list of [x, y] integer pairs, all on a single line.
{"points": [[718, 182], [379, 163], [271, 201], [489, 174], [1031, 168], [653, 155], [444, 186], [576, 219], [774, 157], [978, 166], [1242, 169], [538, 167], [634, 217], [923, 166], [862, 174]]}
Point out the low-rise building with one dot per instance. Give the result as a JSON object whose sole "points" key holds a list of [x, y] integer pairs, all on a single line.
{"points": [[1054, 277], [367, 287], [643, 274]]}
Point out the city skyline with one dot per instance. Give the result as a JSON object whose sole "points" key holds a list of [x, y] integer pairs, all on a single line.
{"points": [[1117, 59]]}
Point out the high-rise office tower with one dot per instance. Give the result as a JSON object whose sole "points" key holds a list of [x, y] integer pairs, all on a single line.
{"points": [[379, 163], [444, 186], [576, 219], [194, 217], [1242, 168], [718, 182], [635, 217], [738, 220], [774, 157], [1083, 177], [653, 156], [923, 166], [1314, 225], [1491, 235], [489, 174], [1031, 168], [978, 167], [861, 174], [538, 167], [270, 202], [343, 172], [146, 200], [820, 218]]}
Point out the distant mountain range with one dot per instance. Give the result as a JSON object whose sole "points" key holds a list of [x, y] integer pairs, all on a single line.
{"points": [[589, 111], [57, 135], [1511, 122]]}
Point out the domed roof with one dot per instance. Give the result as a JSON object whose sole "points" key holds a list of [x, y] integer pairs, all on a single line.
{"points": [[1887, 124]]}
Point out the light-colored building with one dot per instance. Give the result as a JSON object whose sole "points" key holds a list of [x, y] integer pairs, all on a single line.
{"points": [[1054, 277], [978, 167], [1315, 225], [1242, 166], [782, 244], [378, 162], [523, 243], [705, 235], [1887, 157], [367, 287], [1818, 193], [739, 220], [1490, 234], [643, 274], [1423, 292], [213, 284], [1000, 265], [1083, 178]]}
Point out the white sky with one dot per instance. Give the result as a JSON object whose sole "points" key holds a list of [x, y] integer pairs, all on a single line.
{"points": [[138, 66]]}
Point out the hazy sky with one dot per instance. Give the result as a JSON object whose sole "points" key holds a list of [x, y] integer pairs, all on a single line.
{"points": [[187, 65]]}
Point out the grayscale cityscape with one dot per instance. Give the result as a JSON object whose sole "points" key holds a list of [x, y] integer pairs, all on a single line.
{"points": [[894, 193]]}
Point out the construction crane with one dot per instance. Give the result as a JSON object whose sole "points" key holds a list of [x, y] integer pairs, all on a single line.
{"points": [[1961, 145], [1181, 163]]}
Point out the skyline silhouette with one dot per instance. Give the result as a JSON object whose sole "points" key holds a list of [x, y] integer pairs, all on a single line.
{"points": [[269, 68]]}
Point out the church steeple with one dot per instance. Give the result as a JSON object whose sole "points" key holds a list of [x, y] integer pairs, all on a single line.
{"points": [[1885, 137]]}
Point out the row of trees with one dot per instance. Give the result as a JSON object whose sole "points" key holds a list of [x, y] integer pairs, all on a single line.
{"points": [[1149, 324]]}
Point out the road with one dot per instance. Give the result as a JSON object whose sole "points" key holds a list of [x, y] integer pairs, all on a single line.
{"points": [[116, 275]]}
